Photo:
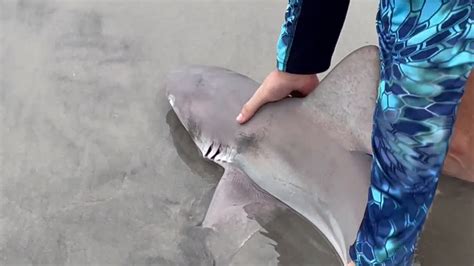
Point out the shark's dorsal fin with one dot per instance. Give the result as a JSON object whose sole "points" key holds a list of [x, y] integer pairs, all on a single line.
{"points": [[344, 101]]}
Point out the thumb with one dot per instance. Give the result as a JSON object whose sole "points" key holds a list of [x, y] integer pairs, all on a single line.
{"points": [[252, 106]]}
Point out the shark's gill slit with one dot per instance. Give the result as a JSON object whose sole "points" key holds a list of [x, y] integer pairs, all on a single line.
{"points": [[217, 152], [209, 150]]}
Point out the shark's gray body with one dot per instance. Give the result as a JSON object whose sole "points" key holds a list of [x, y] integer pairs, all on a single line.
{"points": [[308, 154]]}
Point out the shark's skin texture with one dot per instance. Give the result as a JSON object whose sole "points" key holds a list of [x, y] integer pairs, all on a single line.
{"points": [[241, 212], [311, 176], [309, 154]]}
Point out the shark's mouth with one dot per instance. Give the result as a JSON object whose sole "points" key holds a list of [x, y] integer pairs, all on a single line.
{"points": [[308, 154]]}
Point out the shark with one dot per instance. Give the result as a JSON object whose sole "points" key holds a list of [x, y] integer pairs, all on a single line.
{"points": [[311, 155]]}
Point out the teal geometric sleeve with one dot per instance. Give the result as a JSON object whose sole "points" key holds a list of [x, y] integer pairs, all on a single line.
{"points": [[427, 53]]}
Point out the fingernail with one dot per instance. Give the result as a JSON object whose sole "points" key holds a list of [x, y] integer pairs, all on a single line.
{"points": [[239, 118]]}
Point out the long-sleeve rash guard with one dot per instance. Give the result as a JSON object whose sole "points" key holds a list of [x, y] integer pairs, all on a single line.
{"points": [[309, 35]]}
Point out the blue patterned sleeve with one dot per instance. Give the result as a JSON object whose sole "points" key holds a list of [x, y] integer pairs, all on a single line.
{"points": [[309, 35]]}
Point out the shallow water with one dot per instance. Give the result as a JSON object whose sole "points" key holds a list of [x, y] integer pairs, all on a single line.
{"points": [[96, 169]]}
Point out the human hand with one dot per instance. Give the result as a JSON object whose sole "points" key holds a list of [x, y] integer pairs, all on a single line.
{"points": [[276, 86]]}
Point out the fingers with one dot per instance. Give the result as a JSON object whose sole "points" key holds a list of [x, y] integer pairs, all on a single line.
{"points": [[276, 86], [252, 106]]}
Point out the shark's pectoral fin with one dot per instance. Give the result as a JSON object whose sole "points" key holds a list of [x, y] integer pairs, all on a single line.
{"points": [[237, 211]]}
